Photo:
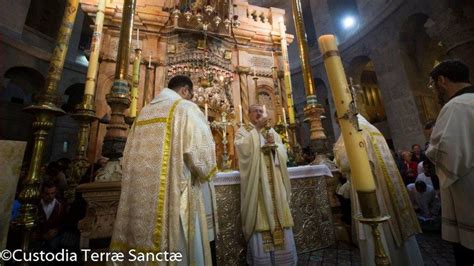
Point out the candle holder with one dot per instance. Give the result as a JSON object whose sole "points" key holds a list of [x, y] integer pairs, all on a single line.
{"points": [[371, 216], [255, 80], [222, 125]]}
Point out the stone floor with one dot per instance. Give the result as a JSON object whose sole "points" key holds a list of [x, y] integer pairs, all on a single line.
{"points": [[434, 250]]}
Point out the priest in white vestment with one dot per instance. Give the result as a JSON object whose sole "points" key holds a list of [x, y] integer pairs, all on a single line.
{"points": [[265, 194], [168, 158], [398, 234], [451, 149]]}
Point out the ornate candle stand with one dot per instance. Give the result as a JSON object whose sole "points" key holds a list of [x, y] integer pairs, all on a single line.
{"points": [[222, 125]]}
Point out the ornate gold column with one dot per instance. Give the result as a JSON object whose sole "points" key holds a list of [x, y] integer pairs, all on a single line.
{"points": [[85, 112], [313, 110], [44, 110], [119, 99], [244, 92]]}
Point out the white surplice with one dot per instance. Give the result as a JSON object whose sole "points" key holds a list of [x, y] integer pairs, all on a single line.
{"points": [[451, 149]]}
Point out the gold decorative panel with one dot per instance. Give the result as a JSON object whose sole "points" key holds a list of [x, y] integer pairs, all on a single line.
{"points": [[309, 206]]}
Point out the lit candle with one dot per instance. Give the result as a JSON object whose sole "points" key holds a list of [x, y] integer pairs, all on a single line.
{"points": [[361, 174], [205, 111], [284, 115], [264, 110], [240, 112], [149, 61]]}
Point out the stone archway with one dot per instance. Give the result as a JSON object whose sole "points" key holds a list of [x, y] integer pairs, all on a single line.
{"points": [[419, 54], [266, 96], [20, 88], [369, 97], [74, 94]]}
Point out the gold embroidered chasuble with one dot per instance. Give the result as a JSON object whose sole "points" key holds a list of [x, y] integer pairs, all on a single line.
{"points": [[391, 192], [265, 187], [169, 154]]}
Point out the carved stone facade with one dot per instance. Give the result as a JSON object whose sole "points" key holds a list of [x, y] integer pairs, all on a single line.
{"points": [[168, 51]]}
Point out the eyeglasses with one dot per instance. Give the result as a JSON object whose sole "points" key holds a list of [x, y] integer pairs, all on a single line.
{"points": [[431, 84]]}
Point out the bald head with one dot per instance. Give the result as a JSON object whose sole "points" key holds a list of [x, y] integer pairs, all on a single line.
{"points": [[255, 113]]}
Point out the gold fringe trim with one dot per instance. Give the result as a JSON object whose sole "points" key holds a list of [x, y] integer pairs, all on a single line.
{"points": [[163, 175], [393, 194]]}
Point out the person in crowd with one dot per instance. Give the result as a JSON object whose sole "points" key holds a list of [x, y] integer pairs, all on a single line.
{"points": [[417, 154], [424, 200], [408, 169], [55, 174], [51, 213]]}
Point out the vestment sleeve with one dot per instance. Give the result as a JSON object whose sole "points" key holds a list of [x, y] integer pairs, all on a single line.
{"points": [[199, 147]]}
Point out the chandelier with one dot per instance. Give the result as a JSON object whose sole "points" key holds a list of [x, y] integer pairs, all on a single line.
{"points": [[211, 73], [206, 15], [202, 67]]}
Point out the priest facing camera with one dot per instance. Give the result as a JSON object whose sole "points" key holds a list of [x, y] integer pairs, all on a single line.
{"points": [[265, 192]]}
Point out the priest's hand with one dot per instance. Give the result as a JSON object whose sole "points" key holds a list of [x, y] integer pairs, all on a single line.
{"points": [[261, 122]]}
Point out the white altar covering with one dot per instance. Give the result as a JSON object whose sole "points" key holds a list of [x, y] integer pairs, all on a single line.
{"points": [[233, 177]]}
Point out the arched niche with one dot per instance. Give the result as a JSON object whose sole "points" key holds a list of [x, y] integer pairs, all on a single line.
{"points": [[364, 77], [420, 53], [73, 95], [266, 96], [21, 86]]}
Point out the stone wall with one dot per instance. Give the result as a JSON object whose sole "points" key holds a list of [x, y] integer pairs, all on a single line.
{"points": [[406, 100]]}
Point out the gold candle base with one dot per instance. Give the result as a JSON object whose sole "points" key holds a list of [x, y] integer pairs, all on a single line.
{"points": [[129, 120], [381, 257], [371, 216]]}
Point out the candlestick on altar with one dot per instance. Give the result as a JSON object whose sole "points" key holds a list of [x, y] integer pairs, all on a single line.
{"points": [[240, 114], [255, 80], [138, 38], [286, 71], [149, 61], [222, 125], [361, 173], [205, 112]]}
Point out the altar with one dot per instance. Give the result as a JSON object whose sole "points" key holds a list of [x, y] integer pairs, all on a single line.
{"points": [[309, 206]]}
